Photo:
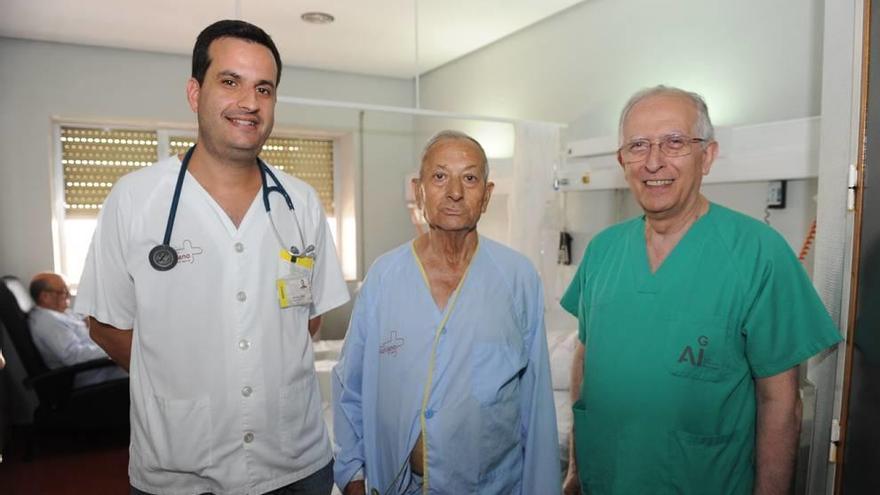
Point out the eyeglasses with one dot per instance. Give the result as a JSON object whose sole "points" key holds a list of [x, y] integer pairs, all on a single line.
{"points": [[672, 146], [65, 292]]}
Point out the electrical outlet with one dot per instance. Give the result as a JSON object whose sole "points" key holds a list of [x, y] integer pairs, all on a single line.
{"points": [[776, 194]]}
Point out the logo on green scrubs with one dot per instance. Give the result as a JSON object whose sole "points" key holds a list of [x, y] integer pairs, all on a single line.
{"points": [[688, 353]]}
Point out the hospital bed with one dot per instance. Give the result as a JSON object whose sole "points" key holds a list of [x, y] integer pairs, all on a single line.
{"points": [[326, 355]]}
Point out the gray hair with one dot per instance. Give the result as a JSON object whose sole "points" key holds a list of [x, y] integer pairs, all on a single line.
{"points": [[449, 134], [702, 128]]}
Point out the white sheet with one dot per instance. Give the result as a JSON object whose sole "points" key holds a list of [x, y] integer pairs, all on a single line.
{"points": [[561, 346], [326, 354], [563, 423]]}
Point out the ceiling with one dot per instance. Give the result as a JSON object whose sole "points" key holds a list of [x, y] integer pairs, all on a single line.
{"points": [[375, 37]]}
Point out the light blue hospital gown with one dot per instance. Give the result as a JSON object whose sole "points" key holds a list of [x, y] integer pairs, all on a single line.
{"points": [[490, 418]]}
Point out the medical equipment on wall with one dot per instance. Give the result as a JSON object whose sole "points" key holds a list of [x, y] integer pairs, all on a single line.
{"points": [[564, 257], [164, 257], [808, 242]]}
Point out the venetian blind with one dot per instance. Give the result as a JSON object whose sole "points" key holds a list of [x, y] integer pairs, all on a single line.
{"points": [[94, 159], [311, 160]]}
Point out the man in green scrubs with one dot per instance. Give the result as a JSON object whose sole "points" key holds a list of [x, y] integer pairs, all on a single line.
{"points": [[693, 319]]}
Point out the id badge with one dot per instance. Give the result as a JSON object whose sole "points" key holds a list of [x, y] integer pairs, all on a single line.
{"points": [[295, 289]]}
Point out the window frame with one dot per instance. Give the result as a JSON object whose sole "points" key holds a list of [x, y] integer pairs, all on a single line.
{"points": [[345, 193]]}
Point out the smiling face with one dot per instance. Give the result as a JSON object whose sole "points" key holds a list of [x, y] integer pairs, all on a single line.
{"points": [[236, 102], [666, 187], [452, 188]]}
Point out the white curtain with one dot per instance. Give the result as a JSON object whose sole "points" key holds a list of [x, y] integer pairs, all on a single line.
{"points": [[533, 222]]}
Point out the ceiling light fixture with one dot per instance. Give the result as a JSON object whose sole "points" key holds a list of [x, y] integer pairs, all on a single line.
{"points": [[317, 18]]}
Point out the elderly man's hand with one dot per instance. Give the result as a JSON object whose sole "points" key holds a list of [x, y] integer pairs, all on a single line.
{"points": [[571, 484], [355, 488]]}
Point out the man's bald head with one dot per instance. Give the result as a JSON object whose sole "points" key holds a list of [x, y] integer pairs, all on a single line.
{"points": [[49, 290], [451, 135]]}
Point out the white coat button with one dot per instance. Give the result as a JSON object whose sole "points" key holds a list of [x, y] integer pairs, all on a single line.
{"points": [[243, 344], [241, 296], [239, 247], [248, 437], [246, 391]]}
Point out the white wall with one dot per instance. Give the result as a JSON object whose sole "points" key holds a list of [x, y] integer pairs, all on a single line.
{"points": [[754, 61]]}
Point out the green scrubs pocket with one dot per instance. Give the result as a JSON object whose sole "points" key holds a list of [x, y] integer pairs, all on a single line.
{"points": [[590, 441], [708, 464], [580, 442], [698, 348]]}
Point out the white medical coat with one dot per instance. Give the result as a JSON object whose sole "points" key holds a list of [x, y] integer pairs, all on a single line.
{"points": [[224, 397]]}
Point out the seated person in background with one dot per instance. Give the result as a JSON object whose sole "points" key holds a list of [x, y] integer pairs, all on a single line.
{"points": [[61, 336]]}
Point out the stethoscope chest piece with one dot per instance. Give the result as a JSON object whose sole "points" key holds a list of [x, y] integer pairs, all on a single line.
{"points": [[163, 257]]}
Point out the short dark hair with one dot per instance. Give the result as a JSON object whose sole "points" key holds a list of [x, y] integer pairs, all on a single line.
{"points": [[37, 287], [229, 29]]}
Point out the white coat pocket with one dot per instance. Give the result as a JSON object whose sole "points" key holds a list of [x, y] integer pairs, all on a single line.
{"points": [[302, 426], [178, 435]]}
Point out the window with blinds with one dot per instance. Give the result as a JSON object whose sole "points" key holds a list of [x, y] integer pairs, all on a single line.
{"points": [[311, 160], [94, 159], [177, 145]]}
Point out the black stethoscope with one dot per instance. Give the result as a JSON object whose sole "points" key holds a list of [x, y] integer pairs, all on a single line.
{"points": [[164, 257]]}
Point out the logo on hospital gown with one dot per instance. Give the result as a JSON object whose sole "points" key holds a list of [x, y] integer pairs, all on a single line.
{"points": [[188, 253], [391, 344]]}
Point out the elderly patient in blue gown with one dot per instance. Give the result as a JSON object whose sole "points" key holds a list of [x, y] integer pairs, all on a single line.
{"points": [[61, 336], [443, 385]]}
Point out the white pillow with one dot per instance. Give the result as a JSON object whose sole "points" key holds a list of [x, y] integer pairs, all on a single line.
{"points": [[561, 346]]}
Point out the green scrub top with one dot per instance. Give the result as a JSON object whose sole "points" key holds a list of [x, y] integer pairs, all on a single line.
{"points": [[667, 403]]}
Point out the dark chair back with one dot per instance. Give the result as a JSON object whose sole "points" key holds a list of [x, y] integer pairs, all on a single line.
{"points": [[100, 406], [15, 302]]}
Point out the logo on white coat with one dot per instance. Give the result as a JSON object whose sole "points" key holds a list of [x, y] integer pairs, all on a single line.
{"points": [[188, 253]]}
